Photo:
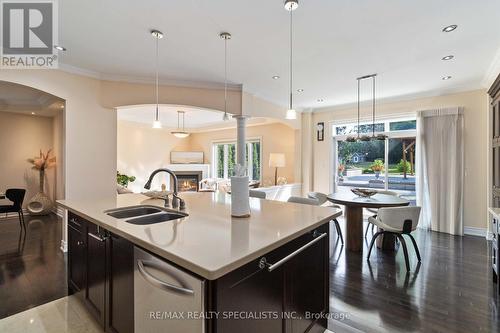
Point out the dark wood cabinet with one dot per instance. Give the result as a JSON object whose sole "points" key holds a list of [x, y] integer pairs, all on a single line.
{"points": [[292, 295], [283, 291], [76, 261], [120, 282], [100, 271], [95, 291]]}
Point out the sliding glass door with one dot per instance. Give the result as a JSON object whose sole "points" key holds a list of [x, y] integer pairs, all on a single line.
{"points": [[378, 164]]}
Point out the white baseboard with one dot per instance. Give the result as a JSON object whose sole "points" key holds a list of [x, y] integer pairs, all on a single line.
{"points": [[59, 211], [11, 215], [64, 246], [473, 231]]}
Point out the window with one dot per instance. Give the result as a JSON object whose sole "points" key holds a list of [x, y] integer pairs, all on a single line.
{"points": [[377, 164], [225, 159]]}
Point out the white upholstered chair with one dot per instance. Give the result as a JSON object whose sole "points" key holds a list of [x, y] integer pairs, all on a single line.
{"points": [[317, 201], [257, 194], [375, 210], [398, 221]]}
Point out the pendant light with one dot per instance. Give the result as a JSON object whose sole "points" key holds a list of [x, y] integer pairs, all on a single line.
{"points": [[366, 137], [291, 5], [157, 35], [226, 36], [180, 132]]}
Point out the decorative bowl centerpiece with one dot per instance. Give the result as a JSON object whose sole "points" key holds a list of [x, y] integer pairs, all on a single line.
{"points": [[365, 193]]}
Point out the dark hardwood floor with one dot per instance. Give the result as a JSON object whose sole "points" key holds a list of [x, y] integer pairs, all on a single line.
{"points": [[32, 266], [450, 291]]}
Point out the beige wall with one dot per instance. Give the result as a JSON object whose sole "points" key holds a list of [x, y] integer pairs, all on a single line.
{"points": [[142, 149], [476, 115], [22, 137], [276, 138]]}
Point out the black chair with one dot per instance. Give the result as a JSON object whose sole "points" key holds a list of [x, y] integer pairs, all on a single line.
{"points": [[16, 195]]}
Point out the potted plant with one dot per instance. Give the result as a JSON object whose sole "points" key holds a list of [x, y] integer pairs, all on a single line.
{"points": [[377, 167], [41, 204], [124, 180]]}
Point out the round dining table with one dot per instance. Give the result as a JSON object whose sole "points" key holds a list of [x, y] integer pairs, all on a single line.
{"points": [[354, 213]]}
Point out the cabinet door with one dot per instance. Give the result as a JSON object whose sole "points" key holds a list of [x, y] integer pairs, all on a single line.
{"points": [[76, 260], [120, 290], [307, 286], [96, 272], [247, 291]]}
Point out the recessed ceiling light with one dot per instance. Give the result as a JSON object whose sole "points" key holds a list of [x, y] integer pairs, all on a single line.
{"points": [[33, 113], [320, 100], [59, 48], [300, 90], [450, 28], [448, 57], [275, 77], [446, 77]]}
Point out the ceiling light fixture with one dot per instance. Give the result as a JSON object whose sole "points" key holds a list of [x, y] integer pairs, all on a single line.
{"points": [[300, 90], [445, 78], [276, 77], [291, 5], [320, 100], [448, 57], [157, 35], [33, 113], [450, 28], [59, 48], [226, 36], [180, 132]]}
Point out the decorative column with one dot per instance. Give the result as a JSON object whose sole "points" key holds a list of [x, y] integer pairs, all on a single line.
{"points": [[241, 139]]}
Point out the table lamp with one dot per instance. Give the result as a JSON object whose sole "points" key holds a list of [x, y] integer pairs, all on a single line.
{"points": [[276, 160]]}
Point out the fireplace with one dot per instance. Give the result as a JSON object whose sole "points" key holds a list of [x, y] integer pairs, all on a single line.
{"points": [[188, 181]]}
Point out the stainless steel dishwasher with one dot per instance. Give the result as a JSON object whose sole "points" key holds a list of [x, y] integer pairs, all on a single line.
{"points": [[166, 298]]}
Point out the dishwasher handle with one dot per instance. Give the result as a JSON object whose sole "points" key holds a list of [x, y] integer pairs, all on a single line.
{"points": [[161, 284]]}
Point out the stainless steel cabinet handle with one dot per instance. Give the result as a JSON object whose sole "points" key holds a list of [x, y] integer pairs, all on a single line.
{"points": [[271, 267], [161, 284], [99, 238]]}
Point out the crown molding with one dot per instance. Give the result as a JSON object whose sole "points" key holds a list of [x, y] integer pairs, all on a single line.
{"points": [[404, 98], [493, 71], [147, 80]]}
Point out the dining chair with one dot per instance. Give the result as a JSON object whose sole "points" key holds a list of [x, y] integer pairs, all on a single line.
{"points": [[397, 221], [16, 195], [257, 194], [375, 210], [322, 198], [315, 201]]}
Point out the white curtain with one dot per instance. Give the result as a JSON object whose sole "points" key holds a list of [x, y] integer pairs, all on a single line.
{"points": [[440, 169]]}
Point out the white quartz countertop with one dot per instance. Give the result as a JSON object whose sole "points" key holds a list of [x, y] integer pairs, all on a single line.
{"points": [[209, 242]]}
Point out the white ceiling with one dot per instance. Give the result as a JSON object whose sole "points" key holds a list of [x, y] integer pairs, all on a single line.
{"points": [[26, 100], [196, 119], [335, 42]]}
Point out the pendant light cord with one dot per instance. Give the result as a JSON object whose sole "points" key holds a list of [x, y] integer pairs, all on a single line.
{"points": [[157, 116], [358, 109], [225, 76], [291, 58], [373, 108]]}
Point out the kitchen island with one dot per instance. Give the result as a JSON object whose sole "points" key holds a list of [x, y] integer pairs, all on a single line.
{"points": [[206, 272]]}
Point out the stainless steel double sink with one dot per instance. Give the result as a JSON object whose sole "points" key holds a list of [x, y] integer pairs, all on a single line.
{"points": [[145, 214]]}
